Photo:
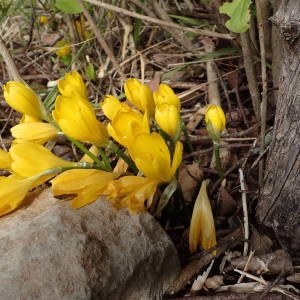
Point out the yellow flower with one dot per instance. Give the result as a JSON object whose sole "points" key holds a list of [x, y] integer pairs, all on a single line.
{"points": [[29, 159], [152, 157], [132, 192], [85, 184], [166, 95], [77, 119], [202, 229], [24, 100], [126, 125], [44, 20], [70, 83], [215, 121], [168, 118], [27, 119], [140, 95], [63, 48], [37, 132], [4, 160], [111, 106], [13, 190]]}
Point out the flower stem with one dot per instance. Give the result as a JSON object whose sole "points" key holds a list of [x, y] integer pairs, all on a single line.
{"points": [[115, 149], [100, 164], [216, 145], [105, 159], [186, 136]]}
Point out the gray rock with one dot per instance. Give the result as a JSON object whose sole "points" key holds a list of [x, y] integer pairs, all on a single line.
{"points": [[49, 251]]}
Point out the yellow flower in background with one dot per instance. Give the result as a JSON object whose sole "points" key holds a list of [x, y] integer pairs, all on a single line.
{"points": [[4, 160], [126, 125], [202, 230], [111, 106], [77, 119], [72, 83], [24, 100], [166, 95], [135, 193], [13, 190], [140, 95], [63, 48], [84, 184], [43, 19], [29, 159], [37, 132], [168, 118], [215, 121], [152, 157]]}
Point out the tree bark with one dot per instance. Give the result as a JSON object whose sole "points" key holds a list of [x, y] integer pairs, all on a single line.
{"points": [[279, 204]]}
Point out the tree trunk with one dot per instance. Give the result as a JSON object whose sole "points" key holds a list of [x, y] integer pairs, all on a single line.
{"points": [[279, 204]]}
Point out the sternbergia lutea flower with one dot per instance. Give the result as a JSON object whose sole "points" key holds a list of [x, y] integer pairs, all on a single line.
{"points": [[202, 230], [13, 190], [126, 125], [29, 159], [152, 157], [77, 119], [23, 99], [167, 117], [140, 95], [215, 121], [85, 185], [37, 132], [166, 95], [72, 83]]}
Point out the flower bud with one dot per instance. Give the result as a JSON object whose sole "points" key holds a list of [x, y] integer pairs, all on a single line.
{"points": [[24, 100], [215, 121]]}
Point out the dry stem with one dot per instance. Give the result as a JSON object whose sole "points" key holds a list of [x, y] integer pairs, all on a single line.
{"points": [[159, 22]]}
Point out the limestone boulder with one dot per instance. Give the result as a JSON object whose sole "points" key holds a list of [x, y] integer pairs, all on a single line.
{"points": [[49, 251]]}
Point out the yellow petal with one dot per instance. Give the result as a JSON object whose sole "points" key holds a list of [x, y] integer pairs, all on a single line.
{"points": [[135, 193], [72, 83], [13, 191], [215, 120], [140, 95], [85, 184], [77, 119], [202, 230], [5, 160], [166, 95], [152, 157], [126, 125], [37, 132], [168, 118], [29, 159], [23, 99]]}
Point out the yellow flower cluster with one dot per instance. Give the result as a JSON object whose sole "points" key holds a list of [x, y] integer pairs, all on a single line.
{"points": [[130, 125], [147, 127]]}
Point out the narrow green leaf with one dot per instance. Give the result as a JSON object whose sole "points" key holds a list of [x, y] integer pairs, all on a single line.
{"points": [[239, 13], [68, 6]]}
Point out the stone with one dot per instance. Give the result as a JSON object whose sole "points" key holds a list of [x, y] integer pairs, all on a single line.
{"points": [[49, 251]]}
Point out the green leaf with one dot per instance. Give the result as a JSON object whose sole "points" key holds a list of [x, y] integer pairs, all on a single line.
{"points": [[239, 13], [90, 72], [68, 6]]}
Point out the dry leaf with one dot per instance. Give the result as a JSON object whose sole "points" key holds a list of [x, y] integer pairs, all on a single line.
{"points": [[189, 178], [260, 243], [227, 204], [214, 282], [275, 262]]}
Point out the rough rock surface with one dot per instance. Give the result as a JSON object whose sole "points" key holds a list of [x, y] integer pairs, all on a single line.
{"points": [[49, 251]]}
